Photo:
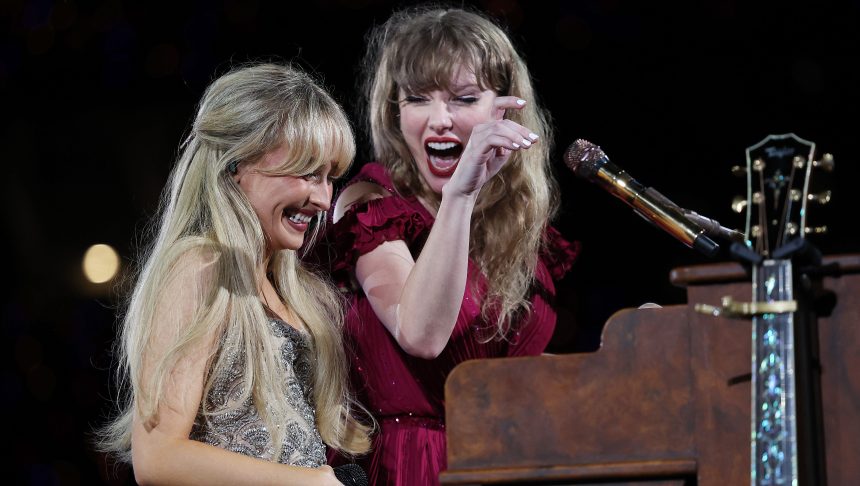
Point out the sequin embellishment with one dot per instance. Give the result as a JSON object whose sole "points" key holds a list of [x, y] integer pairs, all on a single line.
{"points": [[238, 427]]}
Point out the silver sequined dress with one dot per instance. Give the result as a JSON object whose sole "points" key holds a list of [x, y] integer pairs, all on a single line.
{"points": [[237, 426]]}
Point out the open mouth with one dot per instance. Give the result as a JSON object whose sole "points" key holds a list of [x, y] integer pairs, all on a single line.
{"points": [[442, 156], [298, 219]]}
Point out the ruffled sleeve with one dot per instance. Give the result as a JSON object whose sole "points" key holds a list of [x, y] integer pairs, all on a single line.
{"points": [[558, 254], [368, 225]]}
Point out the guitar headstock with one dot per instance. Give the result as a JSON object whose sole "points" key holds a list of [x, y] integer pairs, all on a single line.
{"points": [[778, 172]]}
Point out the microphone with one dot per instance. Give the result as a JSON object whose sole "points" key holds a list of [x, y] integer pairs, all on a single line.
{"points": [[588, 161], [712, 227], [350, 475]]}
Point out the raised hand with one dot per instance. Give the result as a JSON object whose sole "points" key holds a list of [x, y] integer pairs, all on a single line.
{"points": [[489, 148]]}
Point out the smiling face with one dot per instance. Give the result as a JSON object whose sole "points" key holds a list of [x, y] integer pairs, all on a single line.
{"points": [[285, 204], [436, 124]]}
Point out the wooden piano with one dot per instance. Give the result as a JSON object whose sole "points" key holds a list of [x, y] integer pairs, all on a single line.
{"points": [[665, 400]]}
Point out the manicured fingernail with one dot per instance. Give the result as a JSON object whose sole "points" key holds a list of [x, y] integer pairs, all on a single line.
{"points": [[521, 102], [527, 143], [515, 145], [533, 136]]}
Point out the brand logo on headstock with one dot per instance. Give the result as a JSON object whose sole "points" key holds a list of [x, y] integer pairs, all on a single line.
{"points": [[779, 152]]}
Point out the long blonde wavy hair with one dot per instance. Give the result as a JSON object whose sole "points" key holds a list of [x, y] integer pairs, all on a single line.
{"points": [[244, 114], [420, 50]]}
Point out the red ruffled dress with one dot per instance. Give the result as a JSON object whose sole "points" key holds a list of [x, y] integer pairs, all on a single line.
{"points": [[405, 393]]}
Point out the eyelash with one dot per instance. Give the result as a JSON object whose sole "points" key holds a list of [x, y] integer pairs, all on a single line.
{"points": [[316, 177], [465, 99], [468, 99]]}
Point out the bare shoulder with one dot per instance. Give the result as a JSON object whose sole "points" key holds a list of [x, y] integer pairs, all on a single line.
{"points": [[357, 193], [195, 259], [184, 289], [190, 268]]}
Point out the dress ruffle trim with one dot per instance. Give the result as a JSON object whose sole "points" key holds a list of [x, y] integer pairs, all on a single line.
{"points": [[368, 225], [558, 254]]}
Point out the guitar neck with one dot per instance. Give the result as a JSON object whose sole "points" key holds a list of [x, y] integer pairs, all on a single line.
{"points": [[774, 428]]}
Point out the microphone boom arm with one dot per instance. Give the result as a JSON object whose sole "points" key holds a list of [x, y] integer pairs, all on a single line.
{"points": [[711, 226]]}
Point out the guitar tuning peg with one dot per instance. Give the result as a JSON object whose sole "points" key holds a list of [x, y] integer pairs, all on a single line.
{"points": [[799, 162], [825, 163], [815, 230], [758, 165], [738, 204], [821, 198], [739, 171]]}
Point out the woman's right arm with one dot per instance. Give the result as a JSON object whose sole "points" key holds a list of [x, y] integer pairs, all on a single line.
{"points": [[162, 452], [418, 301]]}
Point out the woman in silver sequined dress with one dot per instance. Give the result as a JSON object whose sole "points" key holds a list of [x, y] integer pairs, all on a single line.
{"points": [[230, 352]]}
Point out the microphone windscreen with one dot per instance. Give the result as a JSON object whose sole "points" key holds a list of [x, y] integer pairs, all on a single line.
{"points": [[351, 475], [584, 158]]}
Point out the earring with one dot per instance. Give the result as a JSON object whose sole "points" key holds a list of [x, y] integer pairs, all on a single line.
{"points": [[233, 167]]}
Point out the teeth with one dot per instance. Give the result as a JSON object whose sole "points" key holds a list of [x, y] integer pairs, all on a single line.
{"points": [[300, 218], [442, 145], [443, 162]]}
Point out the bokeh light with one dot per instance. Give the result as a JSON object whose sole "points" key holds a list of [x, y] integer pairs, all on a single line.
{"points": [[101, 263]]}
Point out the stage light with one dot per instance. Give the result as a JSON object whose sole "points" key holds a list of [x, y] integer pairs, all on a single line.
{"points": [[101, 263]]}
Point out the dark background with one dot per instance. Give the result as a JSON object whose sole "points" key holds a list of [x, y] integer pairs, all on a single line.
{"points": [[97, 95]]}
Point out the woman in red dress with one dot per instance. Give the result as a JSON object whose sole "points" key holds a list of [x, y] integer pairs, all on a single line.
{"points": [[444, 244]]}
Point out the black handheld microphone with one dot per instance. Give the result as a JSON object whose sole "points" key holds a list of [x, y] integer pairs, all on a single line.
{"points": [[350, 475], [588, 161]]}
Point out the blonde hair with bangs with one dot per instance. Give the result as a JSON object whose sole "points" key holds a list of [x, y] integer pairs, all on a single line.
{"points": [[413, 51], [207, 225]]}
